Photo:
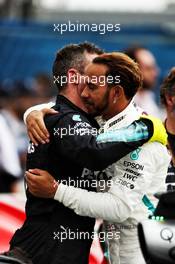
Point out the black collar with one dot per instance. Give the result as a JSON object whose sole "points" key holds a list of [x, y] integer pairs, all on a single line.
{"points": [[62, 99]]}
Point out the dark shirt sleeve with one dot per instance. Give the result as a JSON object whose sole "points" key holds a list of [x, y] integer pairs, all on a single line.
{"points": [[77, 141]]}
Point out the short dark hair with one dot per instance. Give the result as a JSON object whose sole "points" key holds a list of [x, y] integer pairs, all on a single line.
{"points": [[72, 56], [119, 64], [132, 51], [168, 86]]}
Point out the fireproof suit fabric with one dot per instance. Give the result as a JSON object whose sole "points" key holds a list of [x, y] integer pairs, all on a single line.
{"points": [[142, 172], [72, 154]]}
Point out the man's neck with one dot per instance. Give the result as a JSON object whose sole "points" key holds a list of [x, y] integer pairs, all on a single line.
{"points": [[122, 118], [75, 100], [117, 110]]}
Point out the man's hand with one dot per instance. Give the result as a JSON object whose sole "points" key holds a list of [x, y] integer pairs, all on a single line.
{"points": [[36, 128], [41, 183]]}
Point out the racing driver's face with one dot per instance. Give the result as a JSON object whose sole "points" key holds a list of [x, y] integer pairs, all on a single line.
{"points": [[96, 94]]}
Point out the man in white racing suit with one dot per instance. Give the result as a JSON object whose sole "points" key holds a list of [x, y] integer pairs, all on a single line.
{"points": [[136, 177], [132, 181]]}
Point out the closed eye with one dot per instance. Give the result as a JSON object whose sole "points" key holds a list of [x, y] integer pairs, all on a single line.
{"points": [[91, 86]]}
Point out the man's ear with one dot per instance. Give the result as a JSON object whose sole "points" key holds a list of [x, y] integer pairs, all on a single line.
{"points": [[170, 100], [73, 76], [118, 91]]}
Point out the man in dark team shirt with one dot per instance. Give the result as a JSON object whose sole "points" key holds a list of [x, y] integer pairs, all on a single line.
{"points": [[168, 100], [68, 156]]}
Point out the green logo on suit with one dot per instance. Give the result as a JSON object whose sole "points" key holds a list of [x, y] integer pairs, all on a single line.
{"points": [[135, 154]]}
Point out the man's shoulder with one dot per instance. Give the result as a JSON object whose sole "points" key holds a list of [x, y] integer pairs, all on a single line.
{"points": [[68, 123], [154, 146], [150, 151], [156, 151]]}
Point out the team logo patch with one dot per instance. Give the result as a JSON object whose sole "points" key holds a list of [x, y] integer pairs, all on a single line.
{"points": [[135, 154], [76, 118]]}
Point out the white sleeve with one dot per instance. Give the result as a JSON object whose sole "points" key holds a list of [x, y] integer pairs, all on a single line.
{"points": [[121, 199], [107, 206], [126, 192], [37, 107], [9, 159]]}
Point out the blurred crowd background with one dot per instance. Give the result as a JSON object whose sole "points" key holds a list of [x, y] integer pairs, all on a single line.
{"points": [[28, 44]]}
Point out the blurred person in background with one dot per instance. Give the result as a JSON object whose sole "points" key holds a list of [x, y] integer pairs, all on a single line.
{"points": [[167, 94], [19, 99], [10, 168], [145, 97]]}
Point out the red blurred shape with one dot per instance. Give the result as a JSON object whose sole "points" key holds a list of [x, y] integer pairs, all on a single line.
{"points": [[11, 218]]}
